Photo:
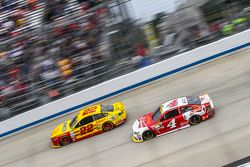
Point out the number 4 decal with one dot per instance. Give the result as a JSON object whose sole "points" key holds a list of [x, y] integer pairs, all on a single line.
{"points": [[172, 124]]}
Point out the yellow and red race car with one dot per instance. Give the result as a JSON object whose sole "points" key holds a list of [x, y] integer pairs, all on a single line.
{"points": [[88, 122]]}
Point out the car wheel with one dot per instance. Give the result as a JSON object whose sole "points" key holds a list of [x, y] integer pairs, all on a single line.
{"points": [[107, 126], [194, 120], [148, 135], [65, 140]]}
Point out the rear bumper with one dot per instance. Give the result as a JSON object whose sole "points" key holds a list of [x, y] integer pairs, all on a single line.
{"points": [[211, 113], [121, 122]]}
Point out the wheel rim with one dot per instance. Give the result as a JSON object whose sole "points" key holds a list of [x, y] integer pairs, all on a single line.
{"points": [[107, 126], [148, 135], [65, 141], [195, 120]]}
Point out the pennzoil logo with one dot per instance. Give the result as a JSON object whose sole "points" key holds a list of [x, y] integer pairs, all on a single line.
{"points": [[89, 110]]}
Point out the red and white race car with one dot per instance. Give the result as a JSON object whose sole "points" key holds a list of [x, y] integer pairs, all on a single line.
{"points": [[173, 115]]}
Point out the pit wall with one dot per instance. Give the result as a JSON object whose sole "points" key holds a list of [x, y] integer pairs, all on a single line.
{"points": [[53, 110]]}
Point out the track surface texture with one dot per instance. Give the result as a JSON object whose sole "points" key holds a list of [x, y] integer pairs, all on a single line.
{"points": [[221, 140]]}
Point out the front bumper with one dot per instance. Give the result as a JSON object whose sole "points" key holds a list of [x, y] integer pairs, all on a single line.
{"points": [[55, 143], [136, 139], [55, 146]]}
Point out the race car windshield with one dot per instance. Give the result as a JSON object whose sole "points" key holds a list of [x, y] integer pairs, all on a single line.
{"points": [[156, 115], [107, 108], [193, 100], [73, 122]]}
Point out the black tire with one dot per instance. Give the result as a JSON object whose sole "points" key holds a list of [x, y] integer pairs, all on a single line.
{"points": [[107, 126], [65, 140], [148, 135], [194, 120]]}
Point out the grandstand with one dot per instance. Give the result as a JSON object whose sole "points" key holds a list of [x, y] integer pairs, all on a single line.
{"points": [[50, 49]]}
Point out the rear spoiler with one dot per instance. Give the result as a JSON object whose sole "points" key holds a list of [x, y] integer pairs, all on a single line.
{"points": [[118, 105], [206, 99]]}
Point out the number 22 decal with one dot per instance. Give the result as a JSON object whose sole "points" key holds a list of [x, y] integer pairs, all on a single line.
{"points": [[86, 129], [172, 124]]}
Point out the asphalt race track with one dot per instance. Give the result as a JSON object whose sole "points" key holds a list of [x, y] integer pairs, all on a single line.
{"points": [[216, 142]]}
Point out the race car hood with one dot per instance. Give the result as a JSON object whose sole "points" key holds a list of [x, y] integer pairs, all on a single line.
{"points": [[143, 122], [61, 128]]}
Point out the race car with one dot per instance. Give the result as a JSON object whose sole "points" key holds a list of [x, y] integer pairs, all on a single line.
{"points": [[88, 122], [173, 115]]}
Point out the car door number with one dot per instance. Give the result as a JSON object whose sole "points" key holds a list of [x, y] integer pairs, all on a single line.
{"points": [[172, 124], [86, 129]]}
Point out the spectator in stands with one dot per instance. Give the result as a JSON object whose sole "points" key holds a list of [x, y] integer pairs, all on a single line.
{"points": [[204, 32], [14, 73], [140, 50], [78, 45], [2, 93], [97, 62], [141, 59], [32, 4], [49, 15], [8, 4], [215, 28], [16, 52], [18, 17], [50, 76], [8, 24], [36, 69], [60, 7], [87, 57], [65, 67], [4, 62]]}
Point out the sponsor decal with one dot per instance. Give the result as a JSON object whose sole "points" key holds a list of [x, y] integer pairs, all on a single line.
{"points": [[86, 129], [202, 98], [142, 123], [98, 126], [183, 124], [173, 103], [99, 121], [157, 126], [89, 110], [172, 124]]}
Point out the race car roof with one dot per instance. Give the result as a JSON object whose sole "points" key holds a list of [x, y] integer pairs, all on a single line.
{"points": [[96, 109], [174, 103]]}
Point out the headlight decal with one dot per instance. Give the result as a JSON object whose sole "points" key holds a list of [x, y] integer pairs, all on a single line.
{"points": [[112, 117]]}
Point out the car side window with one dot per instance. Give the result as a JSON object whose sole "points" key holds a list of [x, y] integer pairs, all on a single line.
{"points": [[186, 109], [170, 114], [85, 121], [99, 116]]}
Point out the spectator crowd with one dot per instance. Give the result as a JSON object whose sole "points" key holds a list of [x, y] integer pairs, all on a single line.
{"points": [[36, 63]]}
